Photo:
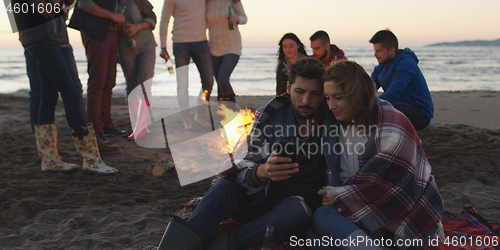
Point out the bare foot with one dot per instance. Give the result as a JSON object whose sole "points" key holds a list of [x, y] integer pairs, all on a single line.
{"points": [[199, 119], [187, 123]]}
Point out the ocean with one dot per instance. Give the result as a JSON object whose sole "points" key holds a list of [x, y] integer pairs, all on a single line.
{"points": [[445, 69]]}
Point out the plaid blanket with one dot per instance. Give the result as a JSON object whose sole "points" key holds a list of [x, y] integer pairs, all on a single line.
{"points": [[393, 194], [466, 233]]}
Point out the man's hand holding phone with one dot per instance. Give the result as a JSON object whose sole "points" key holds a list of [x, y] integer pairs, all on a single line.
{"points": [[278, 167]]}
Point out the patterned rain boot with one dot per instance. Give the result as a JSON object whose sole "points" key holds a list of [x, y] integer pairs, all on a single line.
{"points": [[46, 145], [86, 146]]}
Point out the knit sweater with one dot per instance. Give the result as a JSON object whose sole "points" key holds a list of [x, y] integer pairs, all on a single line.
{"points": [[223, 41], [189, 21]]}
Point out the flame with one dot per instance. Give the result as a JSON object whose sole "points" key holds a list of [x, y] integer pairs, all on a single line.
{"points": [[204, 96], [236, 125]]}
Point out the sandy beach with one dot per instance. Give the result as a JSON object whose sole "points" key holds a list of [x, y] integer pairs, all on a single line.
{"points": [[130, 210]]}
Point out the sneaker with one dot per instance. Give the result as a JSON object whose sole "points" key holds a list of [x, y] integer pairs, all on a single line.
{"points": [[100, 136], [111, 130]]}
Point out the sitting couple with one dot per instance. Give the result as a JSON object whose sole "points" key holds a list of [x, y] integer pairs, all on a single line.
{"points": [[383, 190]]}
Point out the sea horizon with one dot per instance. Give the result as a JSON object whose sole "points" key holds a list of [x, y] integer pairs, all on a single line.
{"points": [[446, 68]]}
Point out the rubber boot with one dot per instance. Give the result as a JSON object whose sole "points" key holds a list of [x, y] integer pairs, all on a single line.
{"points": [[86, 146], [361, 244], [180, 235], [139, 111], [225, 240], [46, 145]]}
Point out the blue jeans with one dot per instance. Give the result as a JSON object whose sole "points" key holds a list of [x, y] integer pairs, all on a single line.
{"points": [[329, 221], [223, 67], [416, 117], [138, 69], [200, 53], [57, 73], [35, 91], [289, 214]]}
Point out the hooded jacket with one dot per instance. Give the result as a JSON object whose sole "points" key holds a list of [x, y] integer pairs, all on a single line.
{"points": [[402, 81]]}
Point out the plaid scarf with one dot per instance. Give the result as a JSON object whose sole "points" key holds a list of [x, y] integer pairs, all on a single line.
{"points": [[393, 194]]}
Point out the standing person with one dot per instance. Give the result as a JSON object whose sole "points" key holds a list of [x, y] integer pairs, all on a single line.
{"points": [[136, 50], [51, 67], [291, 49], [190, 41], [322, 49], [400, 77], [225, 42], [265, 189], [388, 191], [98, 21]]}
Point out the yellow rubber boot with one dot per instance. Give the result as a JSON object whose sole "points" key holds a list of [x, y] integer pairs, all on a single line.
{"points": [[86, 146], [46, 145]]}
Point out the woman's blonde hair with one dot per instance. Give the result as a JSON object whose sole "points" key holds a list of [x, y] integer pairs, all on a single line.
{"points": [[358, 87]]}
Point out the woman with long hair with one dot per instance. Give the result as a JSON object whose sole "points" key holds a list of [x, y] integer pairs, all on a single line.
{"points": [[223, 19], [388, 190], [291, 49]]}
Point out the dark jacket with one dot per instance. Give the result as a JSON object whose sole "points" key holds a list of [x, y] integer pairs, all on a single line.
{"points": [[94, 26]]}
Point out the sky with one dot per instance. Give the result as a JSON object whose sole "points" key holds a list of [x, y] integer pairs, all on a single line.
{"points": [[348, 22]]}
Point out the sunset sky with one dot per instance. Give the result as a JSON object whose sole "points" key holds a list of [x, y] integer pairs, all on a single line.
{"points": [[349, 23]]}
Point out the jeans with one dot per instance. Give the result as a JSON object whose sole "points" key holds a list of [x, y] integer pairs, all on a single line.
{"points": [[102, 57], [329, 221], [290, 215], [223, 67], [138, 69], [57, 73], [419, 120], [35, 91], [200, 53]]}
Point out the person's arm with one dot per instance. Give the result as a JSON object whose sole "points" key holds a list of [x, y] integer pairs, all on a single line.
{"points": [[168, 10], [375, 78], [239, 16], [148, 15], [94, 9], [403, 75], [255, 174], [131, 29]]}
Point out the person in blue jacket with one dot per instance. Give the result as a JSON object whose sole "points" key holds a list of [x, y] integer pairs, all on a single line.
{"points": [[400, 77]]}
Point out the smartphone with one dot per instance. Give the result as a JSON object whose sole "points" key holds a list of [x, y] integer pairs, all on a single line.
{"points": [[287, 149]]}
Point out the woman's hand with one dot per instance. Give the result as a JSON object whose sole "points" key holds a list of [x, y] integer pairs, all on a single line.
{"points": [[276, 168], [328, 194], [130, 29], [235, 19]]}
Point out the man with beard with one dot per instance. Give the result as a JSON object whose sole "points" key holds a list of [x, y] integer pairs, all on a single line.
{"points": [[265, 189], [400, 77], [322, 49]]}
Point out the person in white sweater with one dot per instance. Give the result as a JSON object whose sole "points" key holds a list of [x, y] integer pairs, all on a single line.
{"points": [[189, 41], [225, 42]]}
